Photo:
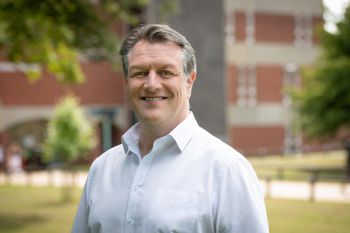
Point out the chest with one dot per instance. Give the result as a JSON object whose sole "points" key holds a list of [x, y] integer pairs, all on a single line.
{"points": [[154, 196]]}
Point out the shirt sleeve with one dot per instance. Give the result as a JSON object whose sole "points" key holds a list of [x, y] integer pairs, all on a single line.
{"points": [[80, 224], [240, 202], [81, 219]]}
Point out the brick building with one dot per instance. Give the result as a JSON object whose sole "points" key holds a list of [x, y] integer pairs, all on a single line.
{"points": [[248, 51], [25, 108], [259, 47], [267, 41]]}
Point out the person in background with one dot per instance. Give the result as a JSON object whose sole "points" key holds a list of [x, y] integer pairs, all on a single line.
{"points": [[169, 174], [13, 159]]}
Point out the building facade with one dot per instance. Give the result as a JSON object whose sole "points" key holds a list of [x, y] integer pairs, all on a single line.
{"points": [[267, 42], [25, 108], [248, 52]]}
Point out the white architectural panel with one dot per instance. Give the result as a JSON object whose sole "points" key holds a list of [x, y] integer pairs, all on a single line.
{"points": [[270, 53], [10, 116], [14, 115], [259, 115], [278, 6]]}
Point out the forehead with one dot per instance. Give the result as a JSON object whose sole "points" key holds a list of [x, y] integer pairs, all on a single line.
{"points": [[159, 52]]}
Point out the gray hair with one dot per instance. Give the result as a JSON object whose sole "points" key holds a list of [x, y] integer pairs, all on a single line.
{"points": [[157, 33]]}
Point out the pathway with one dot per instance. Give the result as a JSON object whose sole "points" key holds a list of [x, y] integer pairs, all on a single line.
{"points": [[321, 191]]}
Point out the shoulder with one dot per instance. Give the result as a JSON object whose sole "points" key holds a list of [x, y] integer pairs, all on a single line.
{"points": [[109, 154], [222, 156], [103, 163], [216, 147], [107, 159]]}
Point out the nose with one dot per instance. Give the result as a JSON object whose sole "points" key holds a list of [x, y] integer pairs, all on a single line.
{"points": [[152, 82]]}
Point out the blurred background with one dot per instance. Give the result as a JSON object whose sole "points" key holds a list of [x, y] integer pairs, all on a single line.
{"points": [[273, 82]]}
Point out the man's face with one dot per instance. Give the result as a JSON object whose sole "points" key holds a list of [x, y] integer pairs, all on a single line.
{"points": [[157, 88]]}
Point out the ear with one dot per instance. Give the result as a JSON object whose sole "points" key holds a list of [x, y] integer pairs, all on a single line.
{"points": [[190, 80]]}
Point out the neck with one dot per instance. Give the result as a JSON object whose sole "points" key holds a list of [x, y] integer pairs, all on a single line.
{"points": [[147, 138], [150, 132]]}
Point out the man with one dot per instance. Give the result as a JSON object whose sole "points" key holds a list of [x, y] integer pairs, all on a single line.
{"points": [[169, 174]]}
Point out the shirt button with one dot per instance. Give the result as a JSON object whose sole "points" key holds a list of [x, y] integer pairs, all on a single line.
{"points": [[136, 187], [130, 220]]}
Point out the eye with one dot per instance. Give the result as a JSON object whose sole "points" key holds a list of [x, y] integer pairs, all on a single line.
{"points": [[138, 74], [166, 73]]}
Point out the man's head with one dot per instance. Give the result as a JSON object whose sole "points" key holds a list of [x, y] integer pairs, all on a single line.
{"points": [[157, 33], [159, 66]]}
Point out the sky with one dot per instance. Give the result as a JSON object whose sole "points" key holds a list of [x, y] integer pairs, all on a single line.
{"points": [[336, 8]]}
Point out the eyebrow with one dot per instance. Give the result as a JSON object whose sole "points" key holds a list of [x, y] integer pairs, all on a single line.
{"points": [[159, 66]]}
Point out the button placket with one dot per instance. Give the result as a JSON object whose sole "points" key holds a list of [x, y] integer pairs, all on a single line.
{"points": [[130, 220], [134, 195]]}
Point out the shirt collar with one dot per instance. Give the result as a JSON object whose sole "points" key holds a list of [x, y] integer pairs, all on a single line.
{"points": [[130, 139], [182, 135]]}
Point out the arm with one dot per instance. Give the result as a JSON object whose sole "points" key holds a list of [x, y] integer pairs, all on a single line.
{"points": [[240, 203], [80, 224]]}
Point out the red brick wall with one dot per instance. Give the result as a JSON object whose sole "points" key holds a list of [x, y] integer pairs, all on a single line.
{"points": [[269, 80], [255, 140], [274, 28], [269, 83], [102, 86], [240, 25], [232, 83]]}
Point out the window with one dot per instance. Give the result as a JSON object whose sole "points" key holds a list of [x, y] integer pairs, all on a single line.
{"points": [[246, 86]]}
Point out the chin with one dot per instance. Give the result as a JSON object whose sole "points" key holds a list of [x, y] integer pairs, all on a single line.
{"points": [[150, 118]]}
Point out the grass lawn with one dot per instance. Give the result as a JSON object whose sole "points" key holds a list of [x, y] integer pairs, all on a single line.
{"points": [[35, 210], [289, 216], [39, 210]]}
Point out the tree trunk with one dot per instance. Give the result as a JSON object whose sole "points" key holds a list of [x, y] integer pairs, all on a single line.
{"points": [[68, 185]]}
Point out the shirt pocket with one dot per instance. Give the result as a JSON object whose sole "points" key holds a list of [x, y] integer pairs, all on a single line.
{"points": [[173, 211]]}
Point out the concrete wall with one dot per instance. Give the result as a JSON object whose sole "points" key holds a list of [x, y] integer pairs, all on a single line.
{"points": [[202, 22]]}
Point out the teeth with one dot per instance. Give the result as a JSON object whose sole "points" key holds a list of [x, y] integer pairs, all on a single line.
{"points": [[153, 98]]}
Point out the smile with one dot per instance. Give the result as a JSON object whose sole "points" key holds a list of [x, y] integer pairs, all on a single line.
{"points": [[153, 98]]}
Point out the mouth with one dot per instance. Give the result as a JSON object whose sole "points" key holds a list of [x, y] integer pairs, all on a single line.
{"points": [[153, 99]]}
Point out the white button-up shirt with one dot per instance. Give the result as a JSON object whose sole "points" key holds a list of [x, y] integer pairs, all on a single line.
{"points": [[190, 182]]}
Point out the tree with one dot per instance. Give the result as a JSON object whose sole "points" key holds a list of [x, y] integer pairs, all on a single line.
{"points": [[53, 34], [323, 102], [69, 136], [69, 133]]}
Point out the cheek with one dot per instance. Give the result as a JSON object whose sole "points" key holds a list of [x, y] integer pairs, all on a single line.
{"points": [[182, 91], [132, 89], [187, 90]]}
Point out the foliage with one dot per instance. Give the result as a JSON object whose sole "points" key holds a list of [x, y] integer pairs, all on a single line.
{"points": [[53, 34], [323, 103], [164, 7], [70, 134]]}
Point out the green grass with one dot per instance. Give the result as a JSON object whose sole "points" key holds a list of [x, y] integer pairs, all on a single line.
{"points": [[35, 210], [330, 166], [39, 210], [289, 216]]}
